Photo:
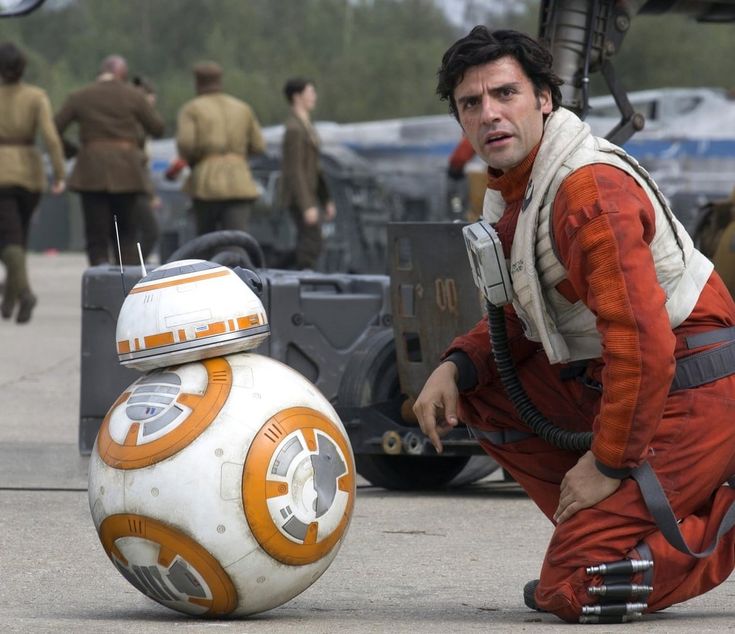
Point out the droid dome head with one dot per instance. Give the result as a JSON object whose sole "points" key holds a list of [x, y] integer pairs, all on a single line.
{"points": [[188, 310]]}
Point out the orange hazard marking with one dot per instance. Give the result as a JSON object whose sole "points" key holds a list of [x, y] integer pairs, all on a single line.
{"points": [[275, 489], [161, 339], [178, 282], [215, 328], [166, 556], [256, 486], [173, 542], [310, 438], [168, 338], [248, 321], [205, 409], [123, 347], [131, 439]]}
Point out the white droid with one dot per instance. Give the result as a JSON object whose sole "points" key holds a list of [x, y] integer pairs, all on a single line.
{"points": [[223, 486]]}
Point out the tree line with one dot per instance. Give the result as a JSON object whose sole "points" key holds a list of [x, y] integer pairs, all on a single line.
{"points": [[370, 59]]}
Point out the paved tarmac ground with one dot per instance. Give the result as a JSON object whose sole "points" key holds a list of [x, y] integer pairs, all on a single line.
{"points": [[434, 562]]}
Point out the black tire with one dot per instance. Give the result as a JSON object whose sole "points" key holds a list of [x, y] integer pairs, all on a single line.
{"points": [[207, 246], [232, 257], [371, 376]]}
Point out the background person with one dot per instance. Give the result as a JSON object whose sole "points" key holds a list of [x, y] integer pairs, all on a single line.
{"points": [[623, 325], [215, 134], [24, 111], [304, 188], [110, 172], [146, 223]]}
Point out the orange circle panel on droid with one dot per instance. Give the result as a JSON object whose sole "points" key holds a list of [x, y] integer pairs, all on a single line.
{"points": [[156, 418], [298, 486], [167, 565]]}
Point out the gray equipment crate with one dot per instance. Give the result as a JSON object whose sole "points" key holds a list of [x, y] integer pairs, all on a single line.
{"points": [[317, 321], [433, 295]]}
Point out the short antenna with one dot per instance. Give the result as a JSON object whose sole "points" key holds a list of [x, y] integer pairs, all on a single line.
{"points": [[119, 254], [142, 262]]}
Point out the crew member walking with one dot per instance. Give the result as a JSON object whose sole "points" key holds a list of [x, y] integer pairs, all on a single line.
{"points": [[24, 111], [110, 169]]}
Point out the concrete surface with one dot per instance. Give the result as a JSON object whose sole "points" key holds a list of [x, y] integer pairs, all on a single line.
{"points": [[432, 562]]}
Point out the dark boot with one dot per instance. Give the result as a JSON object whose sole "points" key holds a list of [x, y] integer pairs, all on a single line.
{"points": [[14, 258], [26, 302], [529, 595]]}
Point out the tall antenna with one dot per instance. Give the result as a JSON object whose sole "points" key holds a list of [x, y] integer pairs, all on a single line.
{"points": [[142, 262], [119, 255]]}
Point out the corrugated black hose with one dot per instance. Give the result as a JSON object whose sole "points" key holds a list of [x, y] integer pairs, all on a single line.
{"points": [[561, 438]]}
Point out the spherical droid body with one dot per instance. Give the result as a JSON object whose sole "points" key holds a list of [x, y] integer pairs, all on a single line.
{"points": [[224, 485]]}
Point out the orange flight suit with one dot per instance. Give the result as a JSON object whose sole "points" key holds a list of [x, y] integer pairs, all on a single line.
{"points": [[603, 223]]}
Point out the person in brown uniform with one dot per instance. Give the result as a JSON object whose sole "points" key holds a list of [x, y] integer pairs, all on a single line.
{"points": [[215, 134], [24, 111], [304, 189], [110, 172]]}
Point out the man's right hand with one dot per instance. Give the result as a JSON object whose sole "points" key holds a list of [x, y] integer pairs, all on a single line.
{"points": [[436, 405], [311, 216]]}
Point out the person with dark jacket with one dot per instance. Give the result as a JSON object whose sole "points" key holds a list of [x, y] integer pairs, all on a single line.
{"points": [[304, 189], [110, 169], [24, 112]]}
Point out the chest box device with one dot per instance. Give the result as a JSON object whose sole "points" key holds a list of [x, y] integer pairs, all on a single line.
{"points": [[487, 262]]}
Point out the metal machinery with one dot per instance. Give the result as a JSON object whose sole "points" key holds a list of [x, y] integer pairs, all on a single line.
{"points": [[585, 35]]}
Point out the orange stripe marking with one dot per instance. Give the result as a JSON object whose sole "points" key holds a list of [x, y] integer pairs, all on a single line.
{"points": [[215, 328], [310, 438], [166, 556], [161, 339], [248, 321], [311, 533], [275, 489], [123, 347], [179, 282], [131, 439]]}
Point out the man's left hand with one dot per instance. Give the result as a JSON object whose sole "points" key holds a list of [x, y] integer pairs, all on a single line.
{"points": [[583, 486], [330, 210]]}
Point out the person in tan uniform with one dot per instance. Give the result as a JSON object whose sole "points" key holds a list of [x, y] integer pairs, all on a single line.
{"points": [[110, 170], [215, 134], [24, 111], [304, 189]]}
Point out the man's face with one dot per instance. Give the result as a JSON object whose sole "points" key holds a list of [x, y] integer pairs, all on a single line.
{"points": [[500, 113], [308, 97]]}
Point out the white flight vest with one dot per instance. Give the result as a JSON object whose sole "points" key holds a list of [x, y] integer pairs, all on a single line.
{"points": [[568, 331]]}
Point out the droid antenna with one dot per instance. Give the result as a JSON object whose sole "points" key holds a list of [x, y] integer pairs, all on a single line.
{"points": [[142, 262], [119, 254]]}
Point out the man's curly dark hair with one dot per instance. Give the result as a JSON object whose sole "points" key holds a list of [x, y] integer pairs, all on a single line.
{"points": [[481, 46]]}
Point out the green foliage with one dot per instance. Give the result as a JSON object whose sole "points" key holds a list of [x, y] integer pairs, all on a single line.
{"points": [[370, 59]]}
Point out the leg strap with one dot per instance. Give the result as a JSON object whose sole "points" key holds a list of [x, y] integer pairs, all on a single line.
{"points": [[659, 507]]}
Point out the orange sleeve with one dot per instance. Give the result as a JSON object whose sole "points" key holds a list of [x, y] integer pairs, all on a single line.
{"points": [[476, 345], [603, 223]]}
